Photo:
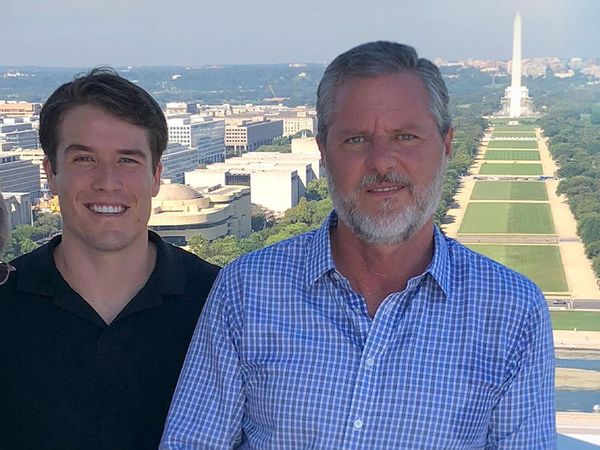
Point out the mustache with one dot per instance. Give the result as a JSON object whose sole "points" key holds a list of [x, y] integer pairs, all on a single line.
{"points": [[392, 177]]}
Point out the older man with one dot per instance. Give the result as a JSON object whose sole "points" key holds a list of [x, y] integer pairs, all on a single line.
{"points": [[374, 331], [96, 323]]}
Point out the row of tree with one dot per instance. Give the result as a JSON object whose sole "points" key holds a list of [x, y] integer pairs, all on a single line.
{"points": [[25, 238], [307, 215], [573, 128]]}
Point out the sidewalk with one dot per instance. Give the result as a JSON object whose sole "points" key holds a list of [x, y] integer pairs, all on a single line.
{"points": [[580, 426], [576, 340]]}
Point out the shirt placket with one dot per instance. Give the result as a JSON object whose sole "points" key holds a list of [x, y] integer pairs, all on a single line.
{"points": [[383, 330]]}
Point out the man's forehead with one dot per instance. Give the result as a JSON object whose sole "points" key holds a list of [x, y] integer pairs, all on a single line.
{"points": [[401, 98], [82, 125], [408, 82]]}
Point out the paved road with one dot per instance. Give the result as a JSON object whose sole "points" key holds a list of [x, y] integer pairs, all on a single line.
{"points": [[576, 304], [507, 239]]}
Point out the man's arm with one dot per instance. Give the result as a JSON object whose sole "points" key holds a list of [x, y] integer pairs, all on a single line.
{"points": [[207, 408], [525, 415]]}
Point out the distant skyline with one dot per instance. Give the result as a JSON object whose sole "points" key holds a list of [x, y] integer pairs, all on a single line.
{"points": [[75, 33]]}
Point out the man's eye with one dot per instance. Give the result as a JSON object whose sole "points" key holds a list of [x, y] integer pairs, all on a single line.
{"points": [[356, 140], [83, 158], [129, 160], [406, 137]]}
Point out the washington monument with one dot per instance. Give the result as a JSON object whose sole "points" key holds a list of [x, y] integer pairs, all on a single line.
{"points": [[515, 80], [516, 101]]}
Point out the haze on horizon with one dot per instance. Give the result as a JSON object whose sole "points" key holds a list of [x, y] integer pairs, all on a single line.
{"points": [[72, 33]]}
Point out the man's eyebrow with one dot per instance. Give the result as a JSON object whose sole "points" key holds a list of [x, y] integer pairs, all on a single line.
{"points": [[406, 128], [122, 151], [133, 152], [77, 148]]}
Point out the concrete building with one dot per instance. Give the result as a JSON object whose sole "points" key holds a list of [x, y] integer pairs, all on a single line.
{"points": [[295, 122], [276, 180], [18, 175], [295, 119], [305, 146], [178, 108], [19, 109], [19, 206], [248, 136], [36, 156], [176, 160], [18, 134], [275, 188], [205, 135], [180, 212], [242, 118]]}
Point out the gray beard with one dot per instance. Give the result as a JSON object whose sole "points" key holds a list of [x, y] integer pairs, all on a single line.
{"points": [[386, 227]]}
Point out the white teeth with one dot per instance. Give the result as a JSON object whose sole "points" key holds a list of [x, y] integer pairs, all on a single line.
{"points": [[107, 209], [385, 189]]}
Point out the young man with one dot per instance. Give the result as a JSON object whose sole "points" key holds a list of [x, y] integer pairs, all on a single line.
{"points": [[374, 331], [96, 323]]}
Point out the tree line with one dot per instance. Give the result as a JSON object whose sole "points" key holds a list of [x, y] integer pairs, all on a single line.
{"points": [[572, 126], [25, 238]]}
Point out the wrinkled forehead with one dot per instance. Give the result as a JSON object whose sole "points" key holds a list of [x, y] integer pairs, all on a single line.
{"points": [[403, 95]]}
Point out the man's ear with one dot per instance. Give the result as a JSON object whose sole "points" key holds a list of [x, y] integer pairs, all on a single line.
{"points": [[50, 175], [156, 180], [448, 142], [321, 146]]}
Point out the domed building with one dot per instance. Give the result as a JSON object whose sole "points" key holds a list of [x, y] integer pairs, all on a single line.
{"points": [[180, 212]]}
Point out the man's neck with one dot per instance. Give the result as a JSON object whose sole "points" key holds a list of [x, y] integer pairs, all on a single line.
{"points": [[375, 271], [106, 280]]}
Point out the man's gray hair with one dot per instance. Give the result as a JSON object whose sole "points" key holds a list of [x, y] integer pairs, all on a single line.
{"points": [[382, 58]]}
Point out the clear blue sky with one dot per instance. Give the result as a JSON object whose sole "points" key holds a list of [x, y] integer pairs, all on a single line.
{"points": [[199, 32]]}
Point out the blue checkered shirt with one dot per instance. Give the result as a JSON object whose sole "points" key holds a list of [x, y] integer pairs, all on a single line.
{"points": [[285, 356]]}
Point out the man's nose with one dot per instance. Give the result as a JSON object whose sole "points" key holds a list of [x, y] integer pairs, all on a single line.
{"points": [[381, 156], [107, 178]]}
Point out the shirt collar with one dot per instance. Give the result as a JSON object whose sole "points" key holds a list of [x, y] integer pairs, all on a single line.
{"points": [[38, 273], [439, 268], [319, 259]]}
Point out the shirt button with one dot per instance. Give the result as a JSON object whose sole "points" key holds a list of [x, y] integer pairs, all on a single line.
{"points": [[358, 424], [370, 362]]}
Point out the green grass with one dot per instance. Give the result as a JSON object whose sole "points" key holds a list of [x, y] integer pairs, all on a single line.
{"points": [[502, 125], [512, 155], [540, 263], [582, 320], [509, 190], [507, 143], [513, 134], [510, 169], [507, 218]]}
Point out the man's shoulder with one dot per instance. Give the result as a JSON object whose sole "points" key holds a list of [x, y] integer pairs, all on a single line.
{"points": [[40, 252], [193, 262], [285, 253], [478, 270], [195, 269], [279, 264], [31, 268]]}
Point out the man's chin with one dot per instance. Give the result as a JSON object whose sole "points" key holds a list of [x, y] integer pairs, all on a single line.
{"points": [[384, 230]]}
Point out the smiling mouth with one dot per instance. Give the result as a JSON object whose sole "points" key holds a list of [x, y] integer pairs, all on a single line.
{"points": [[106, 209], [384, 189]]}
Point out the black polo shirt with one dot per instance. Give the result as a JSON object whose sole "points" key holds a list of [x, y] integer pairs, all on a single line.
{"points": [[70, 381]]}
